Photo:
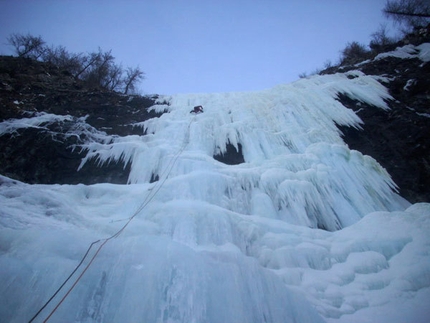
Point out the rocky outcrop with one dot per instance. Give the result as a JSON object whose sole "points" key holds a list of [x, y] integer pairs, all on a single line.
{"points": [[398, 138], [49, 152]]}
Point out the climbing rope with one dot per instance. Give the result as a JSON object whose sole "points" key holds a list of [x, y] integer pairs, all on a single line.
{"points": [[153, 192]]}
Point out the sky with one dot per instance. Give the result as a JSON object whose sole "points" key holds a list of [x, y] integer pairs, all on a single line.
{"points": [[195, 46]]}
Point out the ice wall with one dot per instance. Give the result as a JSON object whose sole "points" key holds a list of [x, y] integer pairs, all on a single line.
{"points": [[296, 164], [186, 260]]}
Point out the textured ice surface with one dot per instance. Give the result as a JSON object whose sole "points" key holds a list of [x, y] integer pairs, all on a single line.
{"points": [[211, 242]]}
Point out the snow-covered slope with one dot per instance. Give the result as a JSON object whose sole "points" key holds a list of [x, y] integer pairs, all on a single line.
{"points": [[210, 242]]}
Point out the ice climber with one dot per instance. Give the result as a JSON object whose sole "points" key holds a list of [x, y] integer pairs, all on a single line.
{"points": [[197, 109]]}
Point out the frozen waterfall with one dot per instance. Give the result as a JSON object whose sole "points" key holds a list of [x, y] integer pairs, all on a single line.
{"points": [[304, 230]]}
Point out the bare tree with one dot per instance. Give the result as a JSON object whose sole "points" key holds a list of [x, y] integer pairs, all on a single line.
{"points": [[98, 74], [114, 78], [354, 52], [64, 60], [96, 69], [133, 76], [87, 62], [27, 45], [411, 13], [380, 39]]}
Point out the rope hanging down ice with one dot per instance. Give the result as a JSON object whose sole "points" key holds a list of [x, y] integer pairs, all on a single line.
{"points": [[152, 193]]}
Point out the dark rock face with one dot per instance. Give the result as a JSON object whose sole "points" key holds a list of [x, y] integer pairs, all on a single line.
{"points": [[399, 138], [43, 156], [232, 156], [50, 153]]}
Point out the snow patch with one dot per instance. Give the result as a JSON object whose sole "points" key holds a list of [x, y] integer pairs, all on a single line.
{"points": [[409, 51]]}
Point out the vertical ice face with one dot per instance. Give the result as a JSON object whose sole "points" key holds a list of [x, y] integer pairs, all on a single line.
{"points": [[294, 156]]}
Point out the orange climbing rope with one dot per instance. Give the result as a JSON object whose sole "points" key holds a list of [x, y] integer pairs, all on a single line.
{"points": [[147, 200]]}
